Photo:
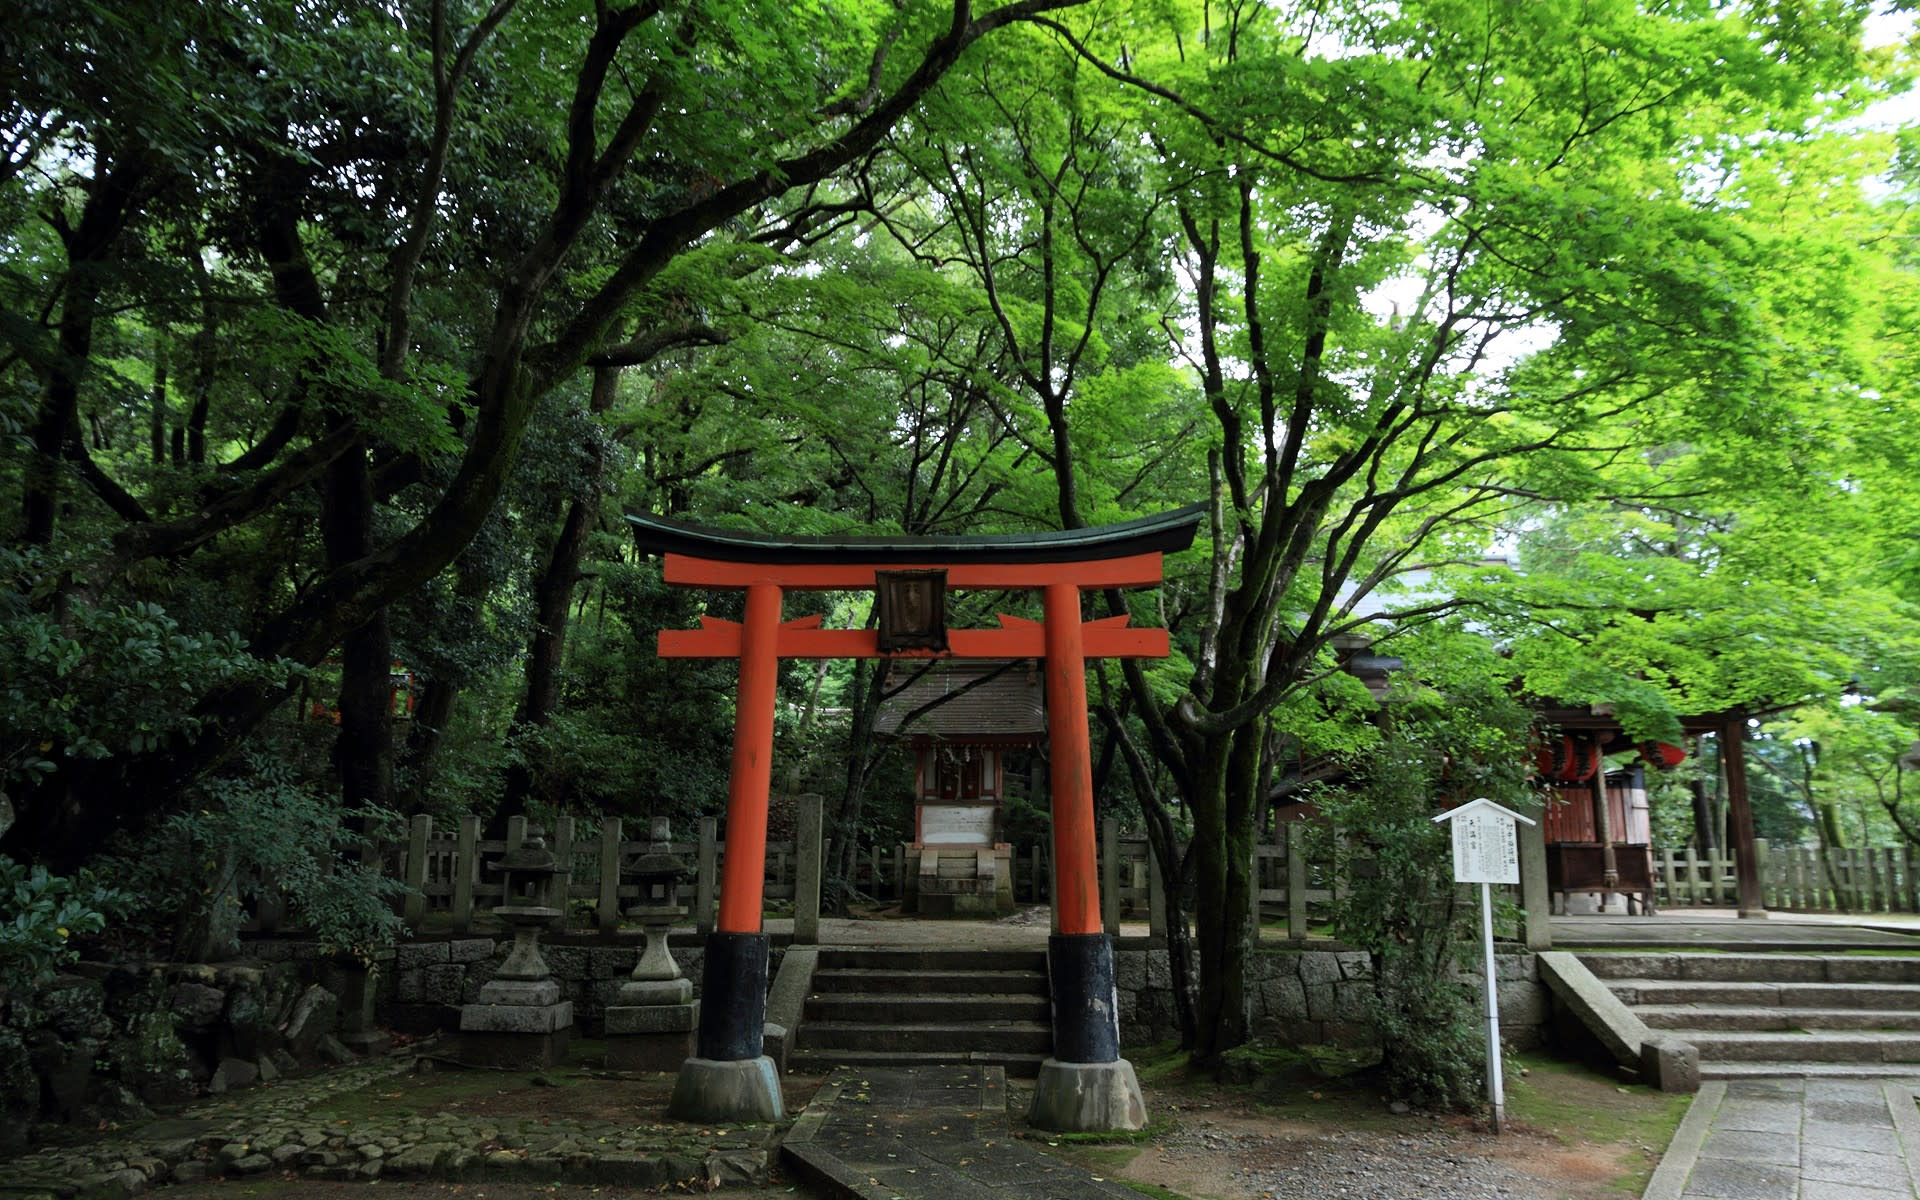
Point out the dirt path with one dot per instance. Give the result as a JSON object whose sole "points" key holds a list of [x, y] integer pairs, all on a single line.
{"points": [[1573, 1135]]}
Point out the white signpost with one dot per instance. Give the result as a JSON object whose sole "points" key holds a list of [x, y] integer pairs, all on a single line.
{"points": [[1486, 850]]}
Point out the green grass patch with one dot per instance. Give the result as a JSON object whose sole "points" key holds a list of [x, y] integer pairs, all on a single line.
{"points": [[1098, 1158], [1161, 1062], [1108, 1161], [1574, 1104], [1120, 1139]]}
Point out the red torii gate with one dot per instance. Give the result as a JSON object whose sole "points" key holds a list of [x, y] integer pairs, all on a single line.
{"points": [[1086, 1085]]}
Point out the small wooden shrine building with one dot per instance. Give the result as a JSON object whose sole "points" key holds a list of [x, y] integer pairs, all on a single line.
{"points": [[1598, 829], [962, 719]]}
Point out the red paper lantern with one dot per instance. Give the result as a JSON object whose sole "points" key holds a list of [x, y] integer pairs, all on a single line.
{"points": [[1663, 755]]}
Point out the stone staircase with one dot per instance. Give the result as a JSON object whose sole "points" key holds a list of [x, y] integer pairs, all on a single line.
{"points": [[910, 1007], [1759, 1014]]}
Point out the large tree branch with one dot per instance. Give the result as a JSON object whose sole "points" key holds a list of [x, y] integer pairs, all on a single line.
{"points": [[404, 264], [665, 236], [650, 345], [1216, 126]]}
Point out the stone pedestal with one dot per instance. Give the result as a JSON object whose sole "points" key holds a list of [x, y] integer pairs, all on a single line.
{"points": [[710, 1090], [650, 1024], [1102, 1097], [520, 1022], [651, 1037]]}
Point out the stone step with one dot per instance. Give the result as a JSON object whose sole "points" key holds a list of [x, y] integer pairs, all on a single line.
{"points": [[1809, 1070], [945, 982], [1022, 1037], [888, 958], [1774, 1016], [927, 1009], [1757, 968], [1658, 992], [1826, 1046], [1018, 1066]]}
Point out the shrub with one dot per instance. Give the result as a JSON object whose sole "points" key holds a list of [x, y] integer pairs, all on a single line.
{"points": [[258, 833], [40, 915], [1401, 905]]}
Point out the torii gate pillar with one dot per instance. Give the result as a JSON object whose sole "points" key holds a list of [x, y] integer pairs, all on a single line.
{"points": [[1085, 1085]]}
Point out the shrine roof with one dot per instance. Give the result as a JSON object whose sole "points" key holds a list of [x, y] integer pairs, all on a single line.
{"points": [[1166, 533]]}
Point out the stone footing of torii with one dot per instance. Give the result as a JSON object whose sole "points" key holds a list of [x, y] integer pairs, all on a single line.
{"points": [[1086, 1085]]}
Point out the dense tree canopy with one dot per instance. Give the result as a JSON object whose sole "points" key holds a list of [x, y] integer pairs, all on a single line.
{"points": [[336, 336]]}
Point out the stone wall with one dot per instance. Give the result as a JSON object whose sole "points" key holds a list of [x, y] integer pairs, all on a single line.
{"points": [[110, 1042], [1308, 997], [431, 979]]}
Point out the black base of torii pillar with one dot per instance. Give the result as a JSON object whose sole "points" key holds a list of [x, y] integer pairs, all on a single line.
{"points": [[1086, 1085]]}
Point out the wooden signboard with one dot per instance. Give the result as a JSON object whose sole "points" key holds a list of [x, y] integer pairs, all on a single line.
{"points": [[956, 824]]}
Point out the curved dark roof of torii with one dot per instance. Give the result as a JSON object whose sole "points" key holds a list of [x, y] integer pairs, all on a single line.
{"points": [[1167, 532]]}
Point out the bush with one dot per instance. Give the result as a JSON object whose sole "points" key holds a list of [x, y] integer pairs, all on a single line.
{"points": [[1401, 904], [257, 834], [40, 915]]}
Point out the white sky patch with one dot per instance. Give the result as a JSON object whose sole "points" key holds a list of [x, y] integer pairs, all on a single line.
{"points": [[1895, 112]]}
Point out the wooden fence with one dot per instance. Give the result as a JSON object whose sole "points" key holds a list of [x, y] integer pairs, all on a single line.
{"points": [[443, 870], [1795, 879]]}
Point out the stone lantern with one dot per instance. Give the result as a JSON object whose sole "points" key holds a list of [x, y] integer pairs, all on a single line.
{"points": [[520, 1020], [650, 1022]]}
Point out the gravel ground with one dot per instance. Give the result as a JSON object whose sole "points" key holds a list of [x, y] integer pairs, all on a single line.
{"points": [[1361, 1164]]}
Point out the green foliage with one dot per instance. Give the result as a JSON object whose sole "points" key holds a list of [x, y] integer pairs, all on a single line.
{"points": [[97, 680], [41, 914], [1401, 904], [262, 832]]}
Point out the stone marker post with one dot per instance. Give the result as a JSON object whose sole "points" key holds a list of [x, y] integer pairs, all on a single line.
{"points": [[809, 827]]}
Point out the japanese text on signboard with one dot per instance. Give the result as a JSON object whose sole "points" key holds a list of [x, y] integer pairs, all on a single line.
{"points": [[1485, 849]]}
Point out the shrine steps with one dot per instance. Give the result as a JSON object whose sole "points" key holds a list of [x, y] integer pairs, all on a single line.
{"points": [[888, 1007], [1829, 1016]]}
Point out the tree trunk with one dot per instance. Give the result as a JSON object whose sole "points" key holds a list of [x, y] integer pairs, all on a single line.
{"points": [[1163, 843], [426, 732], [1227, 771], [553, 605], [157, 420], [102, 219], [363, 752], [869, 684]]}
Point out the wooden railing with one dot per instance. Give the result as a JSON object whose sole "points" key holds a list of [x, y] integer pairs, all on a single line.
{"points": [[1795, 879], [447, 885]]}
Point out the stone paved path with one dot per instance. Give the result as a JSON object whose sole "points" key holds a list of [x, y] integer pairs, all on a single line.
{"points": [[1795, 1139], [928, 1133], [1698, 928], [271, 1131]]}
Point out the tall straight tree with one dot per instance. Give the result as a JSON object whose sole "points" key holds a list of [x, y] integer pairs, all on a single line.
{"points": [[1430, 265]]}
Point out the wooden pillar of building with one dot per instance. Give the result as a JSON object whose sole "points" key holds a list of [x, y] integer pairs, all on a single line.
{"points": [[1603, 823], [1746, 863]]}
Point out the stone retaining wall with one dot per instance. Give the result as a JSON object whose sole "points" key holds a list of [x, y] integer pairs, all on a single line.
{"points": [[1308, 997], [429, 980], [1298, 996], [108, 1042]]}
